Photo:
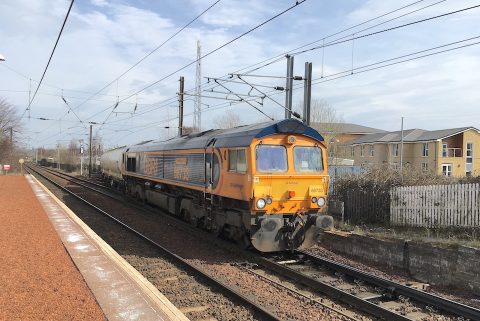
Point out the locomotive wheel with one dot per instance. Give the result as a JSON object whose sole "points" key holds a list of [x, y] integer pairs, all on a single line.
{"points": [[190, 218], [245, 242]]}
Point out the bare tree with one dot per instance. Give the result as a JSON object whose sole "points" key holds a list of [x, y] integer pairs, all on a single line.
{"points": [[325, 119], [10, 126], [227, 120]]}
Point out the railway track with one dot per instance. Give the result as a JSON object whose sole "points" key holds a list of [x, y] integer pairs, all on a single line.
{"points": [[377, 296], [259, 311], [327, 283]]}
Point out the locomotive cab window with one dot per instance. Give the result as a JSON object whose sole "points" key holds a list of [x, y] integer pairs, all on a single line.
{"points": [[237, 161], [271, 158], [308, 159]]}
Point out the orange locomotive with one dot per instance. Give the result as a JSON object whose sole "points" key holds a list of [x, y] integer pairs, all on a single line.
{"points": [[263, 185]]}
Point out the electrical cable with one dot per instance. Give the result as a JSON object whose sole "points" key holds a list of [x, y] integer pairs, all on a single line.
{"points": [[212, 51], [279, 59], [49, 59], [385, 30], [150, 53], [281, 56]]}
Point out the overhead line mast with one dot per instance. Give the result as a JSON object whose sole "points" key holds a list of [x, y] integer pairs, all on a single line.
{"points": [[197, 114]]}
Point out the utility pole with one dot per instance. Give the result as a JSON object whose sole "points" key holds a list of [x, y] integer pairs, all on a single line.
{"points": [[90, 154], [180, 106], [197, 113], [307, 93], [81, 156], [58, 151], [401, 151], [11, 136], [288, 87]]}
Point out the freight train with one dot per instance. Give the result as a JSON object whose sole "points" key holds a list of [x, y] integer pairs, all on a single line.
{"points": [[263, 185]]}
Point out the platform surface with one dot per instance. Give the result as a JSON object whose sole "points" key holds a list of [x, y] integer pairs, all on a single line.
{"points": [[38, 280], [121, 292]]}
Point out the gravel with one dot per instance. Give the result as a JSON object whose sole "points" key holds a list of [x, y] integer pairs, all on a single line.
{"points": [[204, 251]]}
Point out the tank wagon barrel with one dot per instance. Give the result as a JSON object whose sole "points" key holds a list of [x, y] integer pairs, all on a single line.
{"points": [[111, 166], [263, 185]]}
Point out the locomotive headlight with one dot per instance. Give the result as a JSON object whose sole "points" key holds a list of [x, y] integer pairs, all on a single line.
{"points": [[314, 199], [321, 201], [261, 203], [269, 200]]}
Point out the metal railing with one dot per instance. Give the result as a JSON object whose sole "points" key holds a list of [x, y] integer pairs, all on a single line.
{"points": [[452, 152]]}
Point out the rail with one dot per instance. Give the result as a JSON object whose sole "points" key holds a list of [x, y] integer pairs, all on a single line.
{"points": [[396, 288], [263, 313]]}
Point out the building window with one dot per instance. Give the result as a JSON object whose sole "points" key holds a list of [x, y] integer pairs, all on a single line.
{"points": [[469, 160], [395, 166], [425, 150], [395, 150], [352, 151], [424, 167], [371, 150], [447, 169], [362, 150], [444, 150]]}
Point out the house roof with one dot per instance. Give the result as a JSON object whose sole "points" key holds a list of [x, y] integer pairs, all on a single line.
{"points": [[345, 128], [410, 135]]}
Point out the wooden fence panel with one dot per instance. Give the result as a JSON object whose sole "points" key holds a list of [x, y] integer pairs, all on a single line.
{"points": [[436, 206]]}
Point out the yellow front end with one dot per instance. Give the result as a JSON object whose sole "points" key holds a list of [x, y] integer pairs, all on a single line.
{"points": [[290, 188], [291, 193]]}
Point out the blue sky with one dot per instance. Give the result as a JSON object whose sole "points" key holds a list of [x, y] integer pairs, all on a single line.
{"points": [[104, 38]]}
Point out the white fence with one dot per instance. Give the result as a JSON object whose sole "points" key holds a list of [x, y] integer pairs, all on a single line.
{"points": [[436, 206]]}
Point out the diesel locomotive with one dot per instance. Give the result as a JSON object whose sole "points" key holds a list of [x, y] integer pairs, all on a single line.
{"points": [[263, 185]]}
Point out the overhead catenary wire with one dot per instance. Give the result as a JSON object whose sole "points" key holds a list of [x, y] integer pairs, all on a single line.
{"points": [[297, 3], [154, 108], [385, 30], [344, 30], [346, 73], [49, 59], [352, 37], [248, 102], [378, 65], [281, 56], [149, 53], [321, 80]]}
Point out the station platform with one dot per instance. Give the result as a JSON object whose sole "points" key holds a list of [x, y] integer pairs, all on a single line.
{"points": [[54, 267]]}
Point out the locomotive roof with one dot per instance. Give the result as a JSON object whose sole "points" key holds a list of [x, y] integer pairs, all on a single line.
{"points": [[241, 136]]}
